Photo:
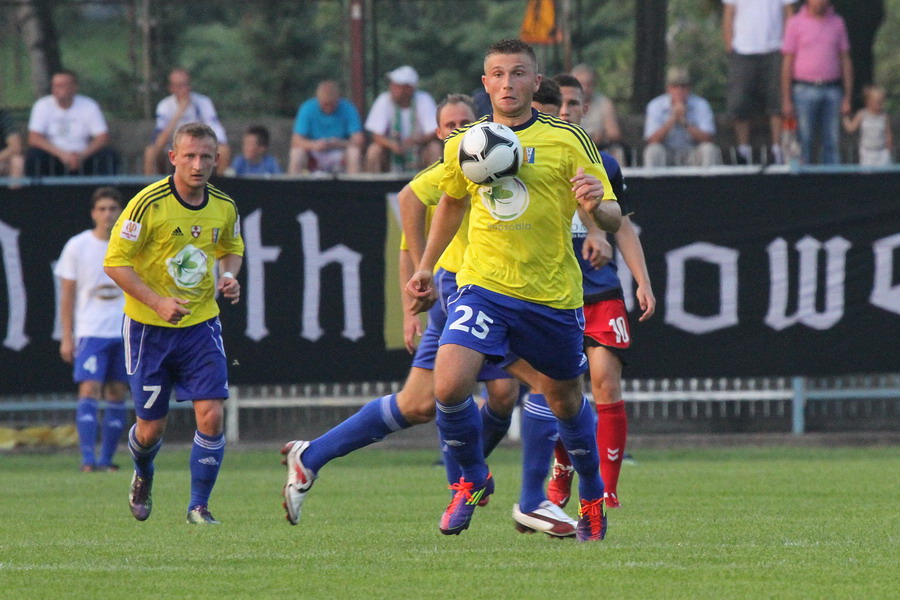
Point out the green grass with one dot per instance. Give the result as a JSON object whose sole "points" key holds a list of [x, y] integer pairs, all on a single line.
{"points": [[736, 523]]}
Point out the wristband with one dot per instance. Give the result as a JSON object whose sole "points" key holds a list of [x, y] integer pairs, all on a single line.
{"points": [[227, 274]]}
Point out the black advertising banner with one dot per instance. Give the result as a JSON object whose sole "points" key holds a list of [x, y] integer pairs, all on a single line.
{"points": [[753, 274]]}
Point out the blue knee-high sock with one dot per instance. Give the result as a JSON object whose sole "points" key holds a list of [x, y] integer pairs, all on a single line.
{"points": [[371, 424], [539, 435], [113, 426], [206, 460], [141, 456], [86, 424], [454, 472], [494, 428], [460, 428], [578, 435]]}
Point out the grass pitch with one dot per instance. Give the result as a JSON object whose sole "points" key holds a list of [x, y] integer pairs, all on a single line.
{"points": [[735, 523]]}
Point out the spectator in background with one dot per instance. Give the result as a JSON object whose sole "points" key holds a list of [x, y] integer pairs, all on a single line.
{"points": [[402, 123], [255, 158], [600, 121], [547, 99], [680, 126], [327, 134], [90, 315], [12, 160], [816, 77], [876, 140], [753, 32], [67, 133], [183, 105]]}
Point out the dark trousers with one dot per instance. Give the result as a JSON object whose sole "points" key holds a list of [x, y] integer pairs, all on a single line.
{"points": [[40, 163]]}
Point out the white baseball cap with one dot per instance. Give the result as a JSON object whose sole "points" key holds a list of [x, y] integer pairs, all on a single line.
{"points": [[404, 75]]}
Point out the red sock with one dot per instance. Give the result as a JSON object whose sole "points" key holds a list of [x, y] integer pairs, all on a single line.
{"points": [[562, 457], [612, 430]]}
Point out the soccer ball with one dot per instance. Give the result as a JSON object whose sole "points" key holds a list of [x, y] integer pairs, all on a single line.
{"points": [[489, 151]]}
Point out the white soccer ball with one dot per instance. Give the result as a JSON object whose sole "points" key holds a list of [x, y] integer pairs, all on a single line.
{"points": [[490, 151]]}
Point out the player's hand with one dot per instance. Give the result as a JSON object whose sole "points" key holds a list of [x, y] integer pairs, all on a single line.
{"points": [[588, 189], [67, 350], [172, 310], [230, 288], [412, 328], [596, 249], [420, 289], [647, 301]]}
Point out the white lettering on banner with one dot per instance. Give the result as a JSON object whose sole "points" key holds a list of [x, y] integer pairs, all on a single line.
{"points": [[314, 259], [779, 278], [15, 288], [256, 256], [884, 295], [726, 259]]}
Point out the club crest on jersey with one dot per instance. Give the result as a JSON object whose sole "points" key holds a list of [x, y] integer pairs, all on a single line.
{"points": [[506, 199], [215, 235], [529, 155], [130, 230], [195, 231]]}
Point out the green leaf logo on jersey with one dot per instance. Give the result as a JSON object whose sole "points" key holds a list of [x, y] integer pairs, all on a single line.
{"points": [[188, 267], [506, 199]]}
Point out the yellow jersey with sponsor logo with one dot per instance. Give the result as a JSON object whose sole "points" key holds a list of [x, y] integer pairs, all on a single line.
{"points": [[520, 228], [425, 186], [172, 247]]}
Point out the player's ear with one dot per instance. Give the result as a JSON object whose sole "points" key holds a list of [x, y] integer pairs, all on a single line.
{"points": [[537, 81]]}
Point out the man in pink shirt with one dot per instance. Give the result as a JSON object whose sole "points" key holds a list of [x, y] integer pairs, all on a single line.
{"points": [[816, 77]]}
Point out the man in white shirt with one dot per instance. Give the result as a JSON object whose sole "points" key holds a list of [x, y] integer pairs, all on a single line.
{"points": [[752, 31], [67, 134], [401, 123], [91, 313], [183, 105]]}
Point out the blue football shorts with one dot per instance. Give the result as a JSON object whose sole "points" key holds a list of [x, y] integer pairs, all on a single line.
{"points": [[550, 339], [99, 359], [189, 359], [445, 283]]}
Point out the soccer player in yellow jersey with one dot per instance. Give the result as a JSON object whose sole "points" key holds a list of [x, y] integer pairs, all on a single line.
{"points": [[414, 404], [162, 254], [520, 283]]}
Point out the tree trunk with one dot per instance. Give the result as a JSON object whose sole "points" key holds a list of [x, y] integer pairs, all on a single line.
{"points": [[649, 52], [35, 20]]}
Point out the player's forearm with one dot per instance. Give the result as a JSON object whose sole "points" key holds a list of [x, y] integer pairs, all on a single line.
{"points": [[231, 263], [629, 245], [608, 215], [406, 268], [127, 279], [67, 309], [412, 220], [447, 219]]}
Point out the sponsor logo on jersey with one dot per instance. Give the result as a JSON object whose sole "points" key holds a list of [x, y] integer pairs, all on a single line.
{"points": [[506, 199], [529, 155], [188, 267], [177, 231], [130, 230]]}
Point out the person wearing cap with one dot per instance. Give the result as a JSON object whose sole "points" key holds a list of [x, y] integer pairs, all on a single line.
{"points": [[679, 126], [401, 124]]}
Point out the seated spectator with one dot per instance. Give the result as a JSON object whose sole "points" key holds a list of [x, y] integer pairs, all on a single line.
{"points": [[67, 133], [327, 134], [679, 126], [601, 121], [182, 106], [12, 160], [876, 140], [255, 158], [402, 122]]}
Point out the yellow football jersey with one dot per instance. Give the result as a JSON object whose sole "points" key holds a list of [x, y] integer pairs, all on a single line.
{"points": [[520, 228], [425, 186], [172, 247]]}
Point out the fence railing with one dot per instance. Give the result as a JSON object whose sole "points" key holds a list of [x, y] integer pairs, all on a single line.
{"points": [[665, 399]]}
